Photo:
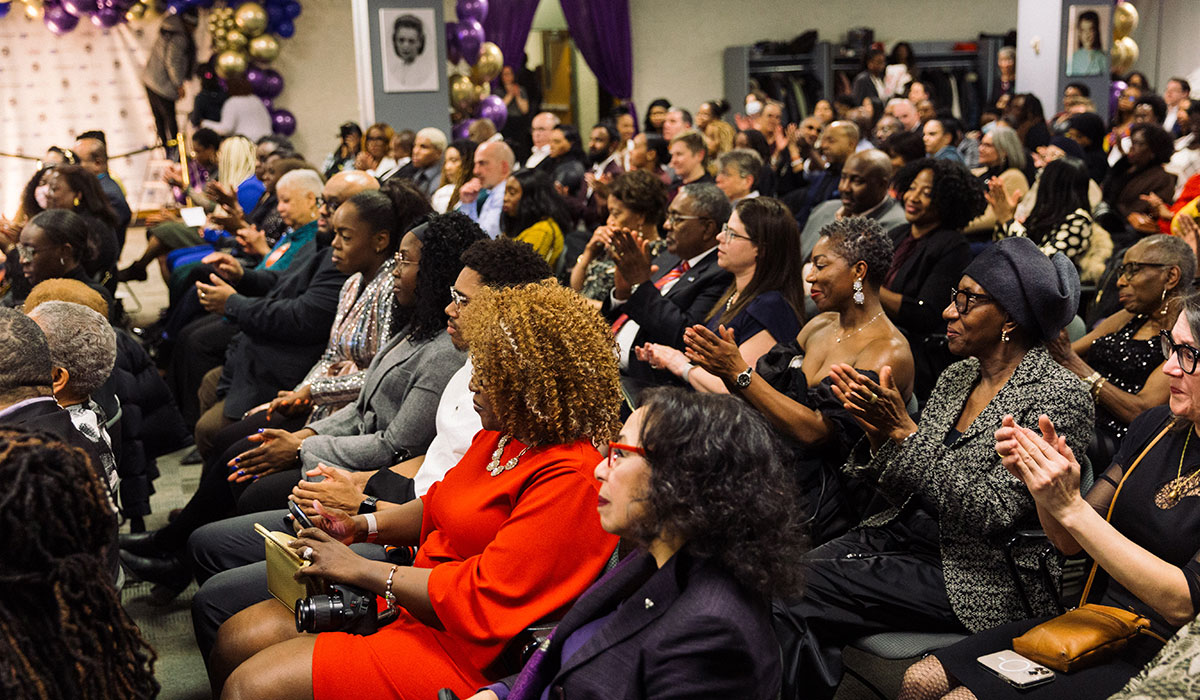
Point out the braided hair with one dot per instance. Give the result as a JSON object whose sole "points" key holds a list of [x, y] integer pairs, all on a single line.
{"points": [[63, 632]]}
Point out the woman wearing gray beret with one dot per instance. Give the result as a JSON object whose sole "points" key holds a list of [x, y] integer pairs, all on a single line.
{"points": [[932, 557]]}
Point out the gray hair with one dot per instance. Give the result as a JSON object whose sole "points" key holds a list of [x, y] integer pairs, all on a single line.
{"points": [[81, 341], [303, 179], [711, 202], [436, 137], [1007, 52], [24, 354], [1008, 144], [1172, 250], [747, 162]]}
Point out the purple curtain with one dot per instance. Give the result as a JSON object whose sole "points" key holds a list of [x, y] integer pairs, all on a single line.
{"points": [[601, 32], [507, 26]]}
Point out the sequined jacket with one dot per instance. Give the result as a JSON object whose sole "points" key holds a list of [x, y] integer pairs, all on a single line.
{"points": [[979, 504], [363, 323]]}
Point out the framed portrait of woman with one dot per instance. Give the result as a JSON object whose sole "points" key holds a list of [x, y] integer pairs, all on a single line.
{"points": [[408, 46], [1088, 36]]}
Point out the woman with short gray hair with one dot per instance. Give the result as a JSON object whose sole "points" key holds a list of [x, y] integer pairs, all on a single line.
{"points": [[1001, 156]]}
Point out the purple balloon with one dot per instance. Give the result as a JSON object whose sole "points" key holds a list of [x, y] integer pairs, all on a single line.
{"points": [[493, 107], [107, 17], [268, 103], [292, 10], [272, 84], [59, 21], [452, 53], [460, 129], [79, 8], [470, 39], [472, 9], [275, 15], [4, 8], [283, 122], [256, 77], [285, 29], [1118, 86]]}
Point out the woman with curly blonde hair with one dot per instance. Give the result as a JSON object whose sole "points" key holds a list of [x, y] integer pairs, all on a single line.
{"points": [[509, 537]]}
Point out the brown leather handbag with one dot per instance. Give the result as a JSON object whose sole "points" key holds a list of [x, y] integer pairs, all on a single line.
{"points": [[1090, 634]]}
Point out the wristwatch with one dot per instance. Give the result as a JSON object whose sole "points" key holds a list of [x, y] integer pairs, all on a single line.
{"points": [[743, 380], [368, 505]]}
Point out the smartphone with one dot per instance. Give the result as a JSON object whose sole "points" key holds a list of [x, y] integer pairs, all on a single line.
{"points": [[1017, 670], [299, 515]]}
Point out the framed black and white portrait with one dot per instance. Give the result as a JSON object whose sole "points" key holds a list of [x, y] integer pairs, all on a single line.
{"points": [[408, 42]]}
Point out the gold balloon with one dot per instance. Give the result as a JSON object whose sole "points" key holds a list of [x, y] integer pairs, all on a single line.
{"points": [[264, 48], [489, 65], [136, 12], [462, 92], [236, 40], [1124, 54], [1125, 20], [33, 10], [482, 91], [251, 18], [231, 64]]}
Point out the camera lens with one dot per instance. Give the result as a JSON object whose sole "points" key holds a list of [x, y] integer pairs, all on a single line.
{"points": [[317, 614]]}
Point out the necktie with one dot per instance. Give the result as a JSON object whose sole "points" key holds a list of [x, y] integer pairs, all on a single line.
{"points": [[483, 195], [672, 275]]}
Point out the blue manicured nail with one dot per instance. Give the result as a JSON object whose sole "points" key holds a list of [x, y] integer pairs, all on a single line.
{"points": [[242, 473], [237, 459], [232, 468], [254, 478], [260, 430]]}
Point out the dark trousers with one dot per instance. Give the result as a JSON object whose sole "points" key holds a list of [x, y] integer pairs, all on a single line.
{"points": [[228, 560], [200, 348], [216, 497], [165, 124], [866, 581]]}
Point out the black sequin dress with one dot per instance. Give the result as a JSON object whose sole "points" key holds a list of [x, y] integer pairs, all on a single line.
{"points": [[1126, 363]]}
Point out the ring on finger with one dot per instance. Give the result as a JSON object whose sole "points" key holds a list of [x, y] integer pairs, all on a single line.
{"points": [[874, 398], [307, 554]]}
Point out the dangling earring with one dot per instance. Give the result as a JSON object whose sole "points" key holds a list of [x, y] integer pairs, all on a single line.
{"points": [[62, 261], [859, 297], [76, 201], [1165, 305], [1004, 335]]}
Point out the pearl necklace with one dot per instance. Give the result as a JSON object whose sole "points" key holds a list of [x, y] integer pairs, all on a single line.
{"points": [[859, 328], [494, 468]]}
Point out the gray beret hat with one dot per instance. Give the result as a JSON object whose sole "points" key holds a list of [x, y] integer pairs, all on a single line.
{"points": [[1041, 294]]}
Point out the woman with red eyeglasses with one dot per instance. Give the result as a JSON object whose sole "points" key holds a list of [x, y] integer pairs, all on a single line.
{"points": [[697, 482]]}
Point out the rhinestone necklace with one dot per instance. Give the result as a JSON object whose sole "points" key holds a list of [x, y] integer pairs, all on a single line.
{"points": [[494, 467]]}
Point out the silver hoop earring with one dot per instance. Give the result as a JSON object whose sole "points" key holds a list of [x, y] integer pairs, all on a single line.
{"points": [[859, 297]]}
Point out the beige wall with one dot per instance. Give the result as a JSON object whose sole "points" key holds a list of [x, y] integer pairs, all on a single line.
{"points": [[677, 46], [319, 80]]}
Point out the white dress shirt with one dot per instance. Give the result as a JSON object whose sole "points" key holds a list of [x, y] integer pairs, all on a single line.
{"points": [[457, 423], [629, 330]]}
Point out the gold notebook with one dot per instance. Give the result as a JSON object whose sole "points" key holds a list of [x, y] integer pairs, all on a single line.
{"points": [[282, 564]]}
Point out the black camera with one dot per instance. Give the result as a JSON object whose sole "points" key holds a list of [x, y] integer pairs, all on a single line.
{"points": [[343, 609]]}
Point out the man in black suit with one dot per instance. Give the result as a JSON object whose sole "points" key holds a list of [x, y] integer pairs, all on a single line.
{"points": [[653, 302], [425, 168]]}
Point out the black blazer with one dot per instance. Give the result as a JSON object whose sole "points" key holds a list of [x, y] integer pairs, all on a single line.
{"points": [[687, 630], [662, 318], [926, 278], [282, 334]]}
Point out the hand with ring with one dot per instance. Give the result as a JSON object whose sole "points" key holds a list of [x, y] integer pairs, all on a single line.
{"points": [[878, 406], [330, 559]]}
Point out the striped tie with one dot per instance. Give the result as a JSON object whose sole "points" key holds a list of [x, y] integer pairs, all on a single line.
{"points": [[672, 275]]}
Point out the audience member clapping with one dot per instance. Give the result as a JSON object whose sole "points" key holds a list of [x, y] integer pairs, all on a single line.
{"points": [[375, 155], [950, 504], [637, 201], [1001, 158], [1060, 221]]}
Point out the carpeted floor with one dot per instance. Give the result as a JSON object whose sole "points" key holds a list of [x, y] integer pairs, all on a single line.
{"points": [[168, 628]]}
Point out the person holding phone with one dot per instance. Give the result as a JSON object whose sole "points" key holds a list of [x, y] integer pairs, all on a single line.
{"points": [[1140, 523]]}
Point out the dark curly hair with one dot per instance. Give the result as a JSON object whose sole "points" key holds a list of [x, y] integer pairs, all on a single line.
{"points": [[642, 193], [448, 237], [1158, 139], [539, 201], [719, 484], [859, 238], [63, 631], [957, 196], [505, 262]]}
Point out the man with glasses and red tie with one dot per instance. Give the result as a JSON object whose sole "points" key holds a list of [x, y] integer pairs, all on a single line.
{"points": [[654, 301]]}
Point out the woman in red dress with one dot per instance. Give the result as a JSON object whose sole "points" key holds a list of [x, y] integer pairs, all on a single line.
{"points": [[509, 537]]}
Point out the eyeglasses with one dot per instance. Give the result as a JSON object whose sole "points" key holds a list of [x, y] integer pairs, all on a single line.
{"points": [[402, 259], [1129, 269], [618, 451], [674, 219], [727, 234], [460, 300], [331, 202], [962, 300], [1186, 355]]}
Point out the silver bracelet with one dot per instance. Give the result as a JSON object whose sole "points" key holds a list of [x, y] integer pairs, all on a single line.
{"points": [[687, 372], [387, 591]]}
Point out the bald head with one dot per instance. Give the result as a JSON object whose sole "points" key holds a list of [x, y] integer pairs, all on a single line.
{"points": [[905, 112], [864, 182], [338, 189], [493, 163], [839, 141], [541, 126], [92, 154]]}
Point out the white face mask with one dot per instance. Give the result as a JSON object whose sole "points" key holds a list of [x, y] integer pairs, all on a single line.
{"points": [[753, 108], [41, 194]]}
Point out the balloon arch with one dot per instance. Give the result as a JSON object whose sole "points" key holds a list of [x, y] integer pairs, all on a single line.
{"points": [[478, 62]]}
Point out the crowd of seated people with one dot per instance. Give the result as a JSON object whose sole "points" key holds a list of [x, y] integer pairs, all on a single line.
{"points": [[868, 347]]}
